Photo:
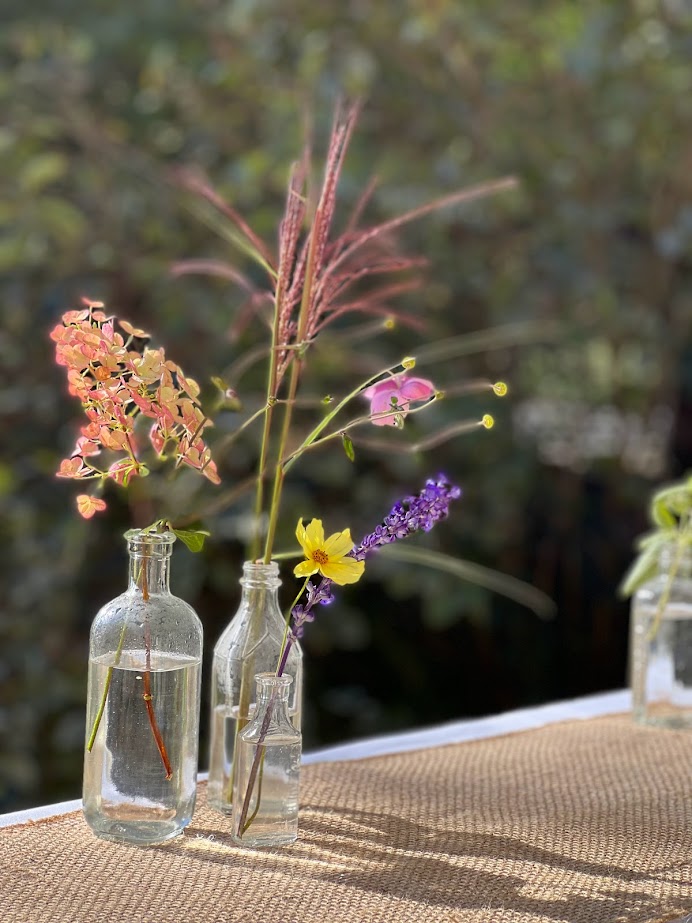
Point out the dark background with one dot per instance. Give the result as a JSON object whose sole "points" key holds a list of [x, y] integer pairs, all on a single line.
{"points": [[588, 104]]}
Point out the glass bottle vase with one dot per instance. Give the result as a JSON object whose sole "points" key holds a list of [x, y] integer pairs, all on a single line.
{"points": [[250, 644], [661, 643], [145, 655], [266, 783]]}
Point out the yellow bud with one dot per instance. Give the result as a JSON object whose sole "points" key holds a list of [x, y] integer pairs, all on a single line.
{"points": [[389, 323], [409, 362], [488, 422], [500, 388]]}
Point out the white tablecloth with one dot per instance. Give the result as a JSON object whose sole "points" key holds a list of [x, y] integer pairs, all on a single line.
{"points": [[523, 719]]}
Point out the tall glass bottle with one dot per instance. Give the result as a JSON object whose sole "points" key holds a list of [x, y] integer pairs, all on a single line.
{"points": [[661, 643], [145, 655], [266, 783], [251, 644]]}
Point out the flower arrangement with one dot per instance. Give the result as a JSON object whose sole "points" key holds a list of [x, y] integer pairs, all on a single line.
{"points": [[311, 283], [337, 560], [144, 413], [670, 512]]}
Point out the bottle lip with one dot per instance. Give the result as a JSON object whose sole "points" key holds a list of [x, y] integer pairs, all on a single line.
{"points": [[140, 538], [258, 575], [259, 567], [271, 679]]}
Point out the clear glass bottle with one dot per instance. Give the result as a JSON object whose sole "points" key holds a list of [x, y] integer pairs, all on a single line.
{"points": [[145, 655], [251, 644], [661, 643], [265, 790]]}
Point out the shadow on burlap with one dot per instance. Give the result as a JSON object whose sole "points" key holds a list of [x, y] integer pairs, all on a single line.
{"points": [[581, 822]]}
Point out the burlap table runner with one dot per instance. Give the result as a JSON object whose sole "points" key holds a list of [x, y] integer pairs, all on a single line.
{"points": [[584, 822]]}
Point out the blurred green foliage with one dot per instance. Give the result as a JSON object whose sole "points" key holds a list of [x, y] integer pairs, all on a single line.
{"points": [[588, 104]]}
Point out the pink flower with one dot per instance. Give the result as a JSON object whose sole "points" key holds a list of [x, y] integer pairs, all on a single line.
{"points": [[87, 505], [73, 468], [120, 471], [397, 393]]}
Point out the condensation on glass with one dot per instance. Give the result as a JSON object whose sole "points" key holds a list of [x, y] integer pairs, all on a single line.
{"points": [[251, 644], [145, 655], [267, 779], [661, 643]]}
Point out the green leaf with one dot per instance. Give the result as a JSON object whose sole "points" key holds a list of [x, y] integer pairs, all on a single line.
{"points": [[661, 515], [520, 592], [348, 446], [193, 539], [42, 170], [677, 499], [645, 565]]}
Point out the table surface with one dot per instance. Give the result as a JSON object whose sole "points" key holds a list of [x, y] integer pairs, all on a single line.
{"points": [[523, 719], [584, 817]]}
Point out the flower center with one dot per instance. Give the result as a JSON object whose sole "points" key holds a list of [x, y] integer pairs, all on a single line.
{"points": [[319, 557]]}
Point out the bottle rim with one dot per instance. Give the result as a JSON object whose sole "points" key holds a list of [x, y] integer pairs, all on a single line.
{"points": [[271, 679], [144, 538]]}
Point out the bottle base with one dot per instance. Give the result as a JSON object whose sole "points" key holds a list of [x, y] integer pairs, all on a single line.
{"points": [[674, 719], [138, 833], [220, 807], [265, 842]]}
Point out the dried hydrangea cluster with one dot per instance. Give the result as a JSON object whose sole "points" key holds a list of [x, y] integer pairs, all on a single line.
{"points": [[117, 383]]}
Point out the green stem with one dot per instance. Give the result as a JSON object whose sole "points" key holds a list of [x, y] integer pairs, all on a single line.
{"points": [[313, 443], [109, 676], [279, 473], [287, 622], [229, 438], [287, 555], [665, 595], [260, 776], [272, 380]]}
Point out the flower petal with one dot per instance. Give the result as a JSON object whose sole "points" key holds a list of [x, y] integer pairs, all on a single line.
{"points": [[302, 538], [382, 402], [417, 389], [305, 568], [88, 505], [314, 534], [338, 544], [344, 571]]}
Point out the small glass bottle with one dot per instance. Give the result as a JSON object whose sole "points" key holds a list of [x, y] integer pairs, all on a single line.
{"points": [[145, 655], [661, 643], [265, 791], [251, 644]]}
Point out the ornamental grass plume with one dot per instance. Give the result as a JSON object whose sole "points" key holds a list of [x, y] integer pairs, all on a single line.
{"points": [[316, 275]]}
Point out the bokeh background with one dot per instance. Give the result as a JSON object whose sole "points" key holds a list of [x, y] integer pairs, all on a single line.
{"points": [[588, 104]]}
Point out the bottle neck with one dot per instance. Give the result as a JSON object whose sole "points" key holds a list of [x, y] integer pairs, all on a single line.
{"points": [[272, 687], [673, 556], [150, 556], [260, 577]]}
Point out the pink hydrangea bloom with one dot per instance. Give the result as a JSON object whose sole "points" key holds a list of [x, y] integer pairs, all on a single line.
{"points": [[87, 505], [117, 382], [398, 390]]}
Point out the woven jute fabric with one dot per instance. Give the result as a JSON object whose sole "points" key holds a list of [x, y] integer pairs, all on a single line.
{"points": [[584, 822]]}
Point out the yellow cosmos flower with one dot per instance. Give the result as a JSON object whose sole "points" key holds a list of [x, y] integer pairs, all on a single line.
{"points": [[329, 556]]}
